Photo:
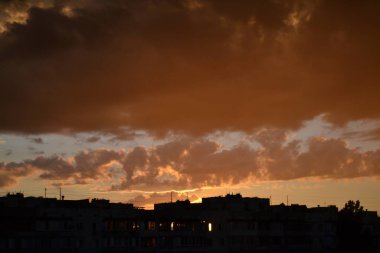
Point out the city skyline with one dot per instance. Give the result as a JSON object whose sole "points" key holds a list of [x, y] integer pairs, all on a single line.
{"points": [[230, 223]]}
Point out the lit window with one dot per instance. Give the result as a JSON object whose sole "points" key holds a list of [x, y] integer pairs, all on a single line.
{"points": [[209, 227], [172, 226], [151, 225]]}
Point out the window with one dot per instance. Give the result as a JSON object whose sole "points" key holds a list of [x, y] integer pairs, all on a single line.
{"points": [[151, 225]]}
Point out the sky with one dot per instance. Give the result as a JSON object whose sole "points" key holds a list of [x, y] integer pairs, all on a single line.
{"points": [[136, 100]]}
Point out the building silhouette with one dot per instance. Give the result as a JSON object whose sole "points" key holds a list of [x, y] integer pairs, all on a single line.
{"points": [[219, 224]]}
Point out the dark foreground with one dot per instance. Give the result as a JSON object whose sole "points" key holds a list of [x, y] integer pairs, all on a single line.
{"points": [[218, 224]]}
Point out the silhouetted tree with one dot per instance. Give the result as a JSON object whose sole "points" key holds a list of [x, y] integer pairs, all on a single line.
{"points": [[352, 207], [351, 236]]}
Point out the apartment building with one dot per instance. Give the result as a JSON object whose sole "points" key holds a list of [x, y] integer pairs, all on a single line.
{"points": [[231, 223]]}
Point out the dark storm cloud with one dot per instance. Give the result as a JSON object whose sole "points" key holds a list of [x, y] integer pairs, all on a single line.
{"points": [[16, 11], [195, 163], [187, 66]]}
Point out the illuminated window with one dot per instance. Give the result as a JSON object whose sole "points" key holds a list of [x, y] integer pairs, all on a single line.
{"points": [[135, 226], [151, 225], [172, 226], [209, 227]]}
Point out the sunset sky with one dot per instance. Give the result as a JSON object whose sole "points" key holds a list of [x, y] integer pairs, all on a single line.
{"points": [[130, 100]]}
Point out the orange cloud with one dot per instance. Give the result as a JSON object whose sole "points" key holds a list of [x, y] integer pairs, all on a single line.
{"points": [[185, 67], [196, 163]]}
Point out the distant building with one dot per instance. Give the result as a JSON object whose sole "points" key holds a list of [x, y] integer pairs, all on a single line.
{"points": [[218, 224]]}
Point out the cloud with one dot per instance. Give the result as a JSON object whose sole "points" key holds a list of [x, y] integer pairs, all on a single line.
{"points": [[37, 140], [373, 135], [8, 152], [10, 172], [6, 180], [186, 67], [83, 167], [188, 163], [369, 135], [92, 139], [16, 11]]}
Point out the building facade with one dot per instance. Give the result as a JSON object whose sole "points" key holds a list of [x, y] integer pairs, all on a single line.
{"points": [[219, 224]]}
